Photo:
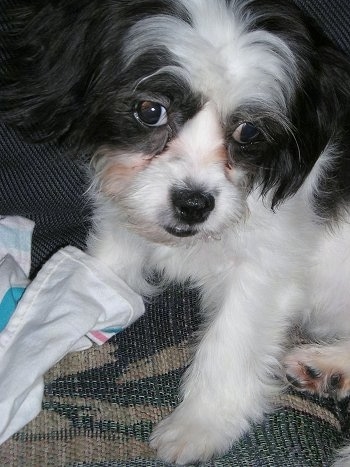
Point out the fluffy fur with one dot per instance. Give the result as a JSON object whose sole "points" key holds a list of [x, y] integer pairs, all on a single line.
{"points": [[220, 133]]}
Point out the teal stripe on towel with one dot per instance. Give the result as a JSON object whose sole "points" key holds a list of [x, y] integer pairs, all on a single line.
{"points": [[8, 305]]}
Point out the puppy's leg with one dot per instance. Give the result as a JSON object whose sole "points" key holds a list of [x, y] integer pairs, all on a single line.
{"points": [[320, 369], [230, 380]]}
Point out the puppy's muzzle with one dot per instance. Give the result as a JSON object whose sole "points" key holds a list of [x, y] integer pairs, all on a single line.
{"points": [[192, 206]]}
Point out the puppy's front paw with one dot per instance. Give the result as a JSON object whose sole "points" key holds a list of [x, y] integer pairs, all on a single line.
{"points": [[187, 436]]}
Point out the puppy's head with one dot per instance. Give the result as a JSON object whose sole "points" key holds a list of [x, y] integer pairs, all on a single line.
{"points": [[186, 189], [188, 105]]}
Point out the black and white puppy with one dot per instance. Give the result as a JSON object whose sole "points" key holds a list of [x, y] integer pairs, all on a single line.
{"points": [[220, 133]]}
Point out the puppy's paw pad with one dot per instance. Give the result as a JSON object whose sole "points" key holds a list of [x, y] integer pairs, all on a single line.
{"points": [[310, 369]]}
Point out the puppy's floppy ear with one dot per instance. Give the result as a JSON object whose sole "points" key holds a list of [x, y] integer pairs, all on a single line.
{"points": [[320, 116], [333, 190], [56, 53]]}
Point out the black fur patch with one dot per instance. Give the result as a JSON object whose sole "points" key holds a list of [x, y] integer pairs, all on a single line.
{"points": [[319, 116], [65, 78]]}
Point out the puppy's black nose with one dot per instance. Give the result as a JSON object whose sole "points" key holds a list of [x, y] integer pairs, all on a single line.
{"points": [[192, 207]]}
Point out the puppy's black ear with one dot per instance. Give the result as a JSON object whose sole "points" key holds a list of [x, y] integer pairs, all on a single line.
{"points": [[53, 56], [320, 121], [321, 118]]}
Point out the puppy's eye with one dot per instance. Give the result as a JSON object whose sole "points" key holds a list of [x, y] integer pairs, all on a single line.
{"points": [[246, 133], [151, 113]]}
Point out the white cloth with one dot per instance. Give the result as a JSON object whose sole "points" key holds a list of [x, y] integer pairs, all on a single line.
{"points": [[16, 240], [15, 247], [72, 295]]}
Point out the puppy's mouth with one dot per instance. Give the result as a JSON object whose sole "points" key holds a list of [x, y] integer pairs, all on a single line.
{"points": [[181, 231]]}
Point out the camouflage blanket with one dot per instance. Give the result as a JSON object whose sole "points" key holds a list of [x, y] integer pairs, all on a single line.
{"points": [[100, 404]]}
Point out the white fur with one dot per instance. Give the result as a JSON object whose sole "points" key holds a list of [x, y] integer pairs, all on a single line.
{"points": [[344, 458]]}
